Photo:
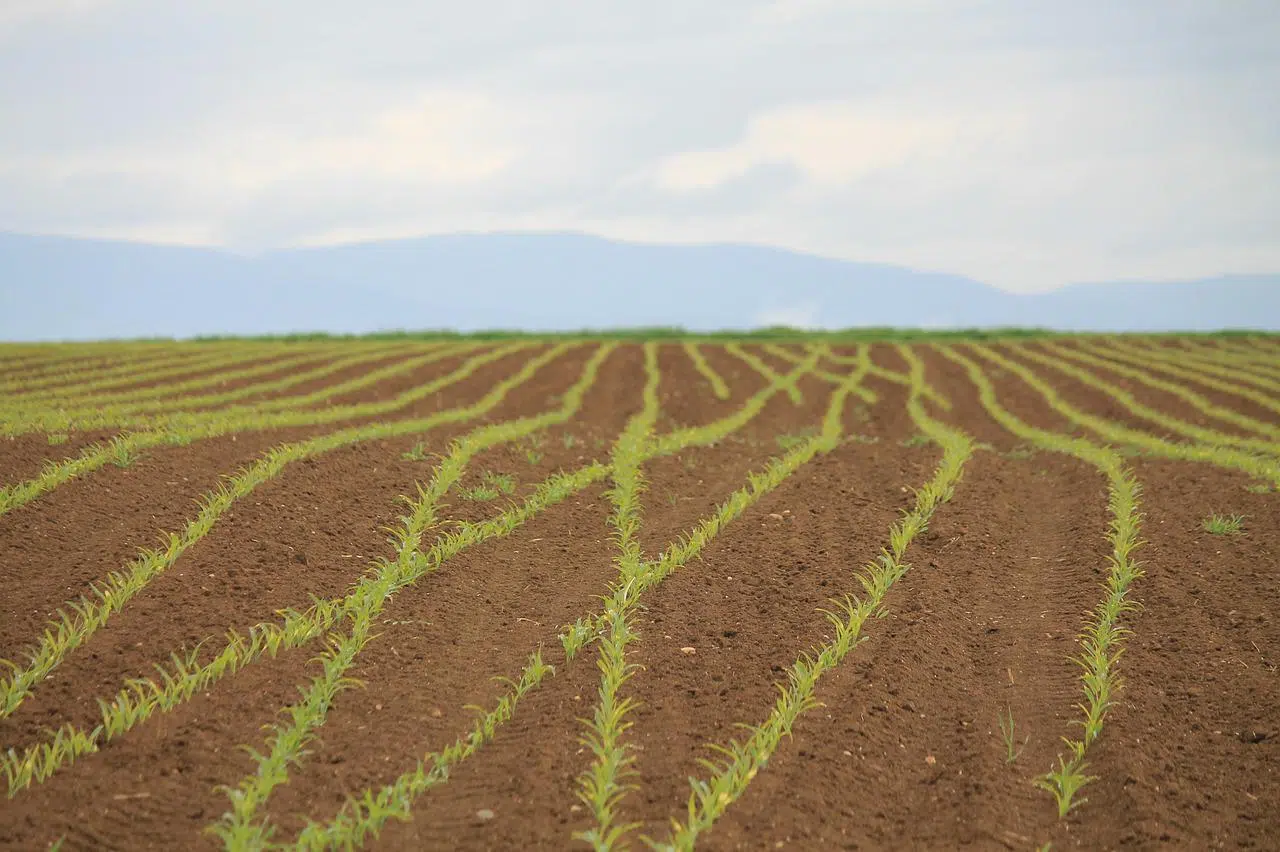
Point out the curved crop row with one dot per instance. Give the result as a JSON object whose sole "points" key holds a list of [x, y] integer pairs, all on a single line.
{"points": [[1103, 634], [718, 387], [1260, 467], [1127, 400], [743, 760], [240, 828], [1195, 400], [230, 421], [70, 630]]}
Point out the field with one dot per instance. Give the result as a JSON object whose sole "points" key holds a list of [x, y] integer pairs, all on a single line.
{"points": [[533, 593]]}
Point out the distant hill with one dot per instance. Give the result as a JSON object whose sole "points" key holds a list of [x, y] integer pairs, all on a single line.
{"points": [[62, 288]]}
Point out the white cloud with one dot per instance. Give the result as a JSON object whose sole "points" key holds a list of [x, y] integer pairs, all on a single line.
{"points": [[831, 143], [1023, 147]]}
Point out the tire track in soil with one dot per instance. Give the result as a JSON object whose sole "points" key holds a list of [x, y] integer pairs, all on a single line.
{"points": [[200, 737], [985, 621], [1190, 758], [310, 530], [528, 774]]}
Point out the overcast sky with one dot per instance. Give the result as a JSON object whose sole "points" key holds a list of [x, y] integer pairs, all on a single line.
{"points": [[1026, 144]]}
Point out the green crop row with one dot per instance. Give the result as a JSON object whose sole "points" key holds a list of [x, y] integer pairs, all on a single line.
{"points": [[366, 813], [72, 628], [603, 786], [245, 368], [1211, 437], [718, 387], [170, 416], [861, 364], [72, 368], [1189, 367], [1265, 468], [234, 420], [742, 761], [240, 829], [769, 374], [1234, 388], [1195, 400], [1103, 634], [98, 381]]}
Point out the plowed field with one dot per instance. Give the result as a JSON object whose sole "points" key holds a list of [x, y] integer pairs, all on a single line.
{"points": [[557, 594]]}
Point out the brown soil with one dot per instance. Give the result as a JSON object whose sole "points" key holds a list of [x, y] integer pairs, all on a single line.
{"points": [[904, 751]]}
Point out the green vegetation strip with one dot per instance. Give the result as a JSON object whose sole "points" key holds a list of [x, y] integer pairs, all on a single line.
{"points": [[129, 375], [283, 360], [770, 375], [142, 414], [365, 814], [71, 629], [1187, 366], [875, 370], [240, 828], [1264, 468], [718, 386], [861, 364], [1100, 643], [123, 448], [1127, 400], [185, 676], [743, 760], [97, 370], [1195, 400], [1111, 354], [603, 786]]}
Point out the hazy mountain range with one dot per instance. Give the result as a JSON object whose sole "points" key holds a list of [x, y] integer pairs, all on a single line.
{"points": [[63, 288]]}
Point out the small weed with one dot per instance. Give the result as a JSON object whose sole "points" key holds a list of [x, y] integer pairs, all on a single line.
{"points": [[1020, 453], [532, 456], [786, 442], [857, 438], [916, 441], [503, 482], [1223, 524], [417, 453], [55, 438], [672, 499], [1007, 733], [122, 455], [479, 494], [1258, 488], [569, 441]]}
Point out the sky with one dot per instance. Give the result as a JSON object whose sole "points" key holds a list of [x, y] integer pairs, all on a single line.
{"points": [[1026, 144]]}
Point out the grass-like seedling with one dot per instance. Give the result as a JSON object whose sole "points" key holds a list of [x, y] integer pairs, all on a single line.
{"points": [[55, 438], [795, 439], [1223, 524], [1008, 735], [418, 452]]}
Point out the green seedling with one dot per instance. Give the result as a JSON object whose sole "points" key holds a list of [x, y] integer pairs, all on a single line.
{"points": [[55, 438], [1012, 749], [502, 482], [1258, 488], [418, 452], [916, 441], [1223, 524], [1064, 782], [789, 441], [570, 441]]}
